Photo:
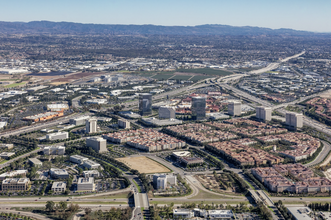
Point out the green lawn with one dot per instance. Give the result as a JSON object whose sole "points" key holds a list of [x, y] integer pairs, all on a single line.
{"points": [[197, 78], [162, 76], [139, 190], [14, 85], [181, 77]]}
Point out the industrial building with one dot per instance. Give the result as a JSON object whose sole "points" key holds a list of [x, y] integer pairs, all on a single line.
{"points": [[54, 150], [234, 108], [91, 126], [160, 181], [198, 108], [90, 164], [57, 136], [15, 184], [58, 173], [294, 120], [43, 116], [85, 184], [91, 173], [78, 159], [59, 186], [35, 162], [125, 124], [263, 113], [79, 121], [167, 112], [97, 143], [145, 104]]}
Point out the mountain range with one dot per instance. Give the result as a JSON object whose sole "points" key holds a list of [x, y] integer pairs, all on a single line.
{"points": [[49, 27]]}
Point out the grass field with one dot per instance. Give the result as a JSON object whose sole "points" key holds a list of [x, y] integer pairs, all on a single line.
{"points": [[206, 71], [197, 78], [144, 164], [14, 85], [181, 77], [162, 76]]}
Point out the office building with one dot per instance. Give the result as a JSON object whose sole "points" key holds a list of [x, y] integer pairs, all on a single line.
{"points": [[145, 104], [59, 187], [78, 159], [198, 108], [160, 181], [7, 146], [58, 173], [13, 174], [85, 184], [97, 143], [91, 126], [57, 107], [90, 164], [294, 120], [125, 124], [15, 184], [54, 150], [35, 162], [57, 136], [183, 213], [79, 121], [263, 113], [166, 112], [234, 108], [91, 173], [6, 155], [300, 212]]}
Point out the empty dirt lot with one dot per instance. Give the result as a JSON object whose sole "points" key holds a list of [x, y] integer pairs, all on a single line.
{"points": [[144, 164]]}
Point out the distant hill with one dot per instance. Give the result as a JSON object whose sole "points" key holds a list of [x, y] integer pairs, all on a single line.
{"points": [[48, 27]]}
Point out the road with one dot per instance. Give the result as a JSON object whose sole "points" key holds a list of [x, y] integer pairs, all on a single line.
{"points": [[322, 155]]}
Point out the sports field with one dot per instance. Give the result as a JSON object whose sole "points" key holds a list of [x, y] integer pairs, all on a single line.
{"points": [[144, 164]]}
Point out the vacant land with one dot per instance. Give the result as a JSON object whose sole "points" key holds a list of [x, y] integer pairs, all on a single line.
{"points": [[144, 164], [15, 84]]}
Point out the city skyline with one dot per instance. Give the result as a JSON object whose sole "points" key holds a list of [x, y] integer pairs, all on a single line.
{"points": [[303, 15]]}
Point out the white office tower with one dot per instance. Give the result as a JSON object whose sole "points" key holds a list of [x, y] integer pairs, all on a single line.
{"points": [[234, 108], [263, 113], [97, 143], [91, 126], [54, 150], [167, 112], [161, 181], [294, 120]]}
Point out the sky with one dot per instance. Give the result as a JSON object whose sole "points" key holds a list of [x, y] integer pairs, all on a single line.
{"points": [[309, 15]]}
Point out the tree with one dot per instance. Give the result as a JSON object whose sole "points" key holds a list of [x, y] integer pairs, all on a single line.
{"points": [[63, 205], [50, 206], [87, 211]]}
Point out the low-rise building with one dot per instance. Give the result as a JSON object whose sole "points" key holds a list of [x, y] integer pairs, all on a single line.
{"points": [[91, 173], [57, 136], [59, 186], [6, 155], [90, 164], [35, 162], [182, 213], [97, 143], [54, 150], [15, 173], [160, 181], [15, 184], [78, 159], [57, 107], [79, 121], [85, 184], [300, 213], [58, 173], [7, 146], [43, 116]]}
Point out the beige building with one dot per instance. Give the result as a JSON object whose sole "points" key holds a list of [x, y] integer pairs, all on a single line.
{"points": [[294, 120], [15, 184], [234, 108], [125, 124], [97, 143], [59, 186], [91, 126], [263, 113]]}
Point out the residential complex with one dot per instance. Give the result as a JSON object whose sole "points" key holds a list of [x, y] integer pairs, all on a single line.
{"points": [[145, 139], [293, 178]]}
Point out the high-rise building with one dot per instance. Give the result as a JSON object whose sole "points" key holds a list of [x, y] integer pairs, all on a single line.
{"points": [[294, 120], [234, 108], [263, 113], [91, 126], [145, 104], [198, 108], [167, 112], [123, 123], [97, 143]]}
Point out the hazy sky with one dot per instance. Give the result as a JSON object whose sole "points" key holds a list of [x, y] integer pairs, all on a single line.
{"points": [[311, 15]]}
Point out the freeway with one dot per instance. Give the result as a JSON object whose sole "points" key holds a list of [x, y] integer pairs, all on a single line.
{"points": [[322, 155]]}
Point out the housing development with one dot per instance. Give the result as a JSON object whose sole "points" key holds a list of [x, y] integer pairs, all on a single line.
{"points": [[110, 126]]}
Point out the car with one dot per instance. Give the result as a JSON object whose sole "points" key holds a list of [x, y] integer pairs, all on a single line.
{"points": [[36, 200]]}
